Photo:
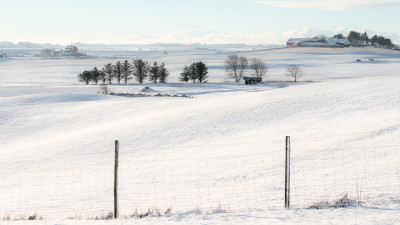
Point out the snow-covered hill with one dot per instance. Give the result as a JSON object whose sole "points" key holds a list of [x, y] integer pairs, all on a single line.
{"points": [[216, 158]]}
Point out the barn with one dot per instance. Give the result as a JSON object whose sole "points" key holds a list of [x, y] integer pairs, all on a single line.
{"points": [[293, 42]]}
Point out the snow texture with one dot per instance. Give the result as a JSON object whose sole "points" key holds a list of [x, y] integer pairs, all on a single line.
{"points": [[216, 158]]}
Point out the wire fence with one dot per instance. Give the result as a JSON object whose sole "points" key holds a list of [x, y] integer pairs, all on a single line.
{"points": [[81, 186], [369, 175]]}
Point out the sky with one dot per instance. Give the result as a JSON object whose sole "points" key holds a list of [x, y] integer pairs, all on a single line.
{"points": [[192, 21]]}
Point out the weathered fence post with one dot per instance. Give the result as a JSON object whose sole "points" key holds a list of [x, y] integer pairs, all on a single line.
{"points": [[116, 179], [287, 173]]}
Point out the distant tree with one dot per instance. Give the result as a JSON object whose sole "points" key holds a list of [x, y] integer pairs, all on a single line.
{"points": [[243, 65], [354, 37], [199, 71], [374, 39], [185, 75], [294, 71], [85, 77], [364, 38], [388, 43], [140, 69], [96, 74], [154, 72], [338, 36], [236, 66], [103, 76], [117, 71], [126, 71], [259, 67], [163, 73], [321, 36], [192, 72], [358, 38], [381, 41], [108, 71], [232, 67]]}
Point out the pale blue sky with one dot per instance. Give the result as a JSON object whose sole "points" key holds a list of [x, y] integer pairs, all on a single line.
{"points": [[200, 21]]}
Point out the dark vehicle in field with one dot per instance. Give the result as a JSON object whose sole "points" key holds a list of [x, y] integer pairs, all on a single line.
{"points": [[252, 80]]}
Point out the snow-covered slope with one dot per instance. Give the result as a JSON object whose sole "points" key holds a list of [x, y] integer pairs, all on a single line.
{"points": [[221, 151]]}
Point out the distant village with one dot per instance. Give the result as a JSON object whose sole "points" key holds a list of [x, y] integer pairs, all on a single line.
{"points": [[353, 39], [68, 51]]}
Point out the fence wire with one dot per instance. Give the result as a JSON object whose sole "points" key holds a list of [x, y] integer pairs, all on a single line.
{"points": [[369, 176], [247, 182], [65, 187]]}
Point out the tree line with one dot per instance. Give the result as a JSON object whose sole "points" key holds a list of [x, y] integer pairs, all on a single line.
{"points": [[236, 68], [138, 69], [363, 39]]}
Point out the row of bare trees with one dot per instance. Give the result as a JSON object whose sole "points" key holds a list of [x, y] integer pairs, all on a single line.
{"points": [[237, 66], [125, 71]]}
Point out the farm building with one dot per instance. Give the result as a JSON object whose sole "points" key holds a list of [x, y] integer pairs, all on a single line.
{"points": [[50, 52], [305, 41], [317, 42], [71, 50]]}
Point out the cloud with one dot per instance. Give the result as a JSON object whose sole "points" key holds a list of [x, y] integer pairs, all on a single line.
{"points": [[206, 36], [331, 4]]}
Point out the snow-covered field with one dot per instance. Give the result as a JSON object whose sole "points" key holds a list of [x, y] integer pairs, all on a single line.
{"points": [[216, 158]]}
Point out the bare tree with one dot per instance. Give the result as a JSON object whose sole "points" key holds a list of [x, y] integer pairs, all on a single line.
{"points": [[259, 67], [154, 71], [140, 69], [243, 65], [232, 67], [236, 66], [108, 71], [117, 70], [294, 71], [104, 89], [126, 71], [163, 73]]}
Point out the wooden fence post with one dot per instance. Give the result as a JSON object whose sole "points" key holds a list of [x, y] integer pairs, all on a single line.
{"points": [[116, 179], [287, 173]]}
